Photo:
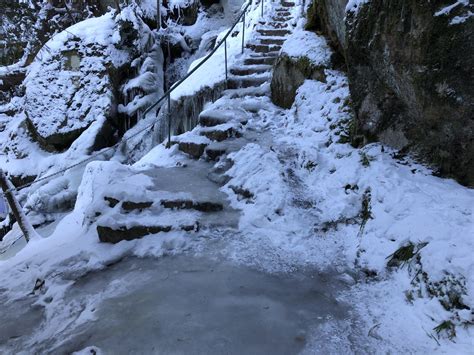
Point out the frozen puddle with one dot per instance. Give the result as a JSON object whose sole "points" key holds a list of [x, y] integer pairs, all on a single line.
{"points": [[187, 305]]}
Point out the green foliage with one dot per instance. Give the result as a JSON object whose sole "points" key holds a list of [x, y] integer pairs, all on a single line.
{"points": [[364, 159], [310, 165], [446, 327], [305, 65], [366, 210], [405, 254]]}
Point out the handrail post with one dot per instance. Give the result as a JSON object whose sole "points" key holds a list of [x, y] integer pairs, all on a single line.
{"points": [[168, 145], [225, 51], [25, 226], [243, 33], [262, 6]]}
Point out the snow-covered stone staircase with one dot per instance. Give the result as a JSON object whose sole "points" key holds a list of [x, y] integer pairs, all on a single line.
{"points": [[188, 197]]}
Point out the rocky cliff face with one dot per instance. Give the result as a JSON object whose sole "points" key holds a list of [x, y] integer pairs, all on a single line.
{"points": [[411, 70]]}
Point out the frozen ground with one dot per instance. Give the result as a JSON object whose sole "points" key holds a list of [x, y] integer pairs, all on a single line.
{"points": [[186, 304], [302, 269]]}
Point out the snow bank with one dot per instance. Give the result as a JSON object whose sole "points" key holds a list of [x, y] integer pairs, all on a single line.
{"points": [[404, 204], [305, 44]]}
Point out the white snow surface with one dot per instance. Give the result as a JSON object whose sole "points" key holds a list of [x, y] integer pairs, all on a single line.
{"points": [[308, 190], [85, 91], [355, 5], [465, 5], [308, 45]]}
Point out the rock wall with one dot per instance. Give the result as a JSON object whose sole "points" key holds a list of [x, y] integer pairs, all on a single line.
{"points": [[411, 71], [329, 17]]}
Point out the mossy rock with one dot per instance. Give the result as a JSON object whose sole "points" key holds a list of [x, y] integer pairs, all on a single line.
{"points": [[289, 74]]}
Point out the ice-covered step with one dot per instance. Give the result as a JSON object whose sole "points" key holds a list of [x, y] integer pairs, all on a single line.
{"points": [[214, 117], [168, 200], [191, 143], [283, 12], [185, 204], [118, 227], [217, 149], [214, 152], [273, 32], [269, 54], [248, 104], [221, 132], [272, 41], [263, 48], [238, 82], [287, 4], [262, 90], [281, 19], [250, 69], [272, 25], [266, 60]]}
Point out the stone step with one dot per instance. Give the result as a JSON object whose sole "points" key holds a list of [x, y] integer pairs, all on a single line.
{"points": [[195, 150], [263, 48], [245, 82], [115, 235], [220, 134], [249, 70], [117, 228], [269, 54], [273, 32], [214, 117], [202, 206], [282, 19], [287, 4], [283, 12], [260, 60], [272, 41], [215, 152], [259, 91], [191, 143], [128, 206], [274, 25]]}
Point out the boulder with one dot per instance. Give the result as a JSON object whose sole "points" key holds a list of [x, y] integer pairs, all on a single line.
{"points": [[75, 80], [295, 65]]}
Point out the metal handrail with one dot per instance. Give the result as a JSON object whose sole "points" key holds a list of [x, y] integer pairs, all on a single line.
{"points": [[166, 95], [206, 58]]}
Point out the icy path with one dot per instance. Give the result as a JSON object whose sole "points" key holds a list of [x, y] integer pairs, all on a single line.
{"points": [[188, 305], [295, 261]]}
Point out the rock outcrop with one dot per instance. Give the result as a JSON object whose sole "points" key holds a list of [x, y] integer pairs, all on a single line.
{"points": [[76, 78], [293, 68], [411, 71]]}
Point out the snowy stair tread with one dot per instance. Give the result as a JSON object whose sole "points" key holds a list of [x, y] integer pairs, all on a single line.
{"points": [[221, 132], [273, 32], [263, 48], [250, 69], [258, 91], [118, 227], [238, 82], [215, 117]]}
